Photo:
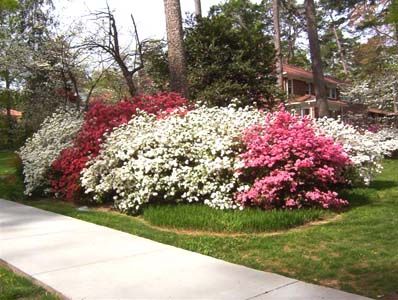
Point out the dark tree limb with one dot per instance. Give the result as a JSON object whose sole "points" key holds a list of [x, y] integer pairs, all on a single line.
{"points": [[110, 45]]}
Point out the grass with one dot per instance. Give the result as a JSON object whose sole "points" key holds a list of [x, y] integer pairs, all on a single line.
{"points": [[15, 287], [356, 253], [204, 218]]}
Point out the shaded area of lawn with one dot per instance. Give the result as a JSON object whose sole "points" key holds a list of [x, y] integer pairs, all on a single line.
{"points": [[357, 253], [13, 287]]}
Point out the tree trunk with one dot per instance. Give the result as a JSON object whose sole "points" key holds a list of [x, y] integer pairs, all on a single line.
{"points": [[277, 43], [198, 9], [128, 77], [341, 52], [8, 109], [291, 45], [395, 97], [316, 61], [130, 84], [76, 88], [176, 52], [340, 48]]}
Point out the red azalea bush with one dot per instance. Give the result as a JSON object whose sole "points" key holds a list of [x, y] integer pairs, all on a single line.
{"points": [[101, 118], [287, 165]]}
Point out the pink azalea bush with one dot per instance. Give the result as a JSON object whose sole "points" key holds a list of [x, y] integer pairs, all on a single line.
{"points": [[286, 164]]}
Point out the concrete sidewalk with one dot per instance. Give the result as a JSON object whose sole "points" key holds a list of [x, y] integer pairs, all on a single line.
{"points": [[81, 260]]}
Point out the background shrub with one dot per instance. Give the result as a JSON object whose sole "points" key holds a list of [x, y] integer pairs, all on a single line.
{"points": [[231, 58]]}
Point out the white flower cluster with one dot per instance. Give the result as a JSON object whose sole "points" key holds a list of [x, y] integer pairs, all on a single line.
{"points": [[55, 134], [388, 139], [366, 149], [188, 158]]}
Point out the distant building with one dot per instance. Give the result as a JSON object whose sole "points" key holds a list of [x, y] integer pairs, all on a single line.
{"points": [[298, 84], [14, 113], [299, 88]]}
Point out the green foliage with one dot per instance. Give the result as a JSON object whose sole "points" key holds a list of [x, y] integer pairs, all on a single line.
{"points": [[392, 15], [5, 130], [26, 61], [8, 5], [110, 87], [156, 63], [330, 53], [201, 217], [375, 77], [292, 25], [370, 58], [17, 132], [300, 59], [11, 184], [229, 56], [340, 6]]}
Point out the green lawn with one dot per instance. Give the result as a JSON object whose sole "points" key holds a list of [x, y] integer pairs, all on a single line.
{"points": [[356, 252], [197, 217], [15, 287]]}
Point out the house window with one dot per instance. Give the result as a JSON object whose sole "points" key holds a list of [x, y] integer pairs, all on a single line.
{"points": [[305, 112], [308, 91], [289, 86], [332, 93], [334, 114]]}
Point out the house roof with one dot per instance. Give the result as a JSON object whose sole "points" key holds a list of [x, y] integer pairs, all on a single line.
{"points": [[301, 73], [14, 113], [380, 112], [304, 98], [311, 98], [338, 102]]}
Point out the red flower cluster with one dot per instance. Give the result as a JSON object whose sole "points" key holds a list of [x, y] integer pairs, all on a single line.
{"points": [[99, 119], [287, 165]]}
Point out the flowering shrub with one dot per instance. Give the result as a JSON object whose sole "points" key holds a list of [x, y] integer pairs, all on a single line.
{"points": [[288, 165], [99, 119], [388, 138], [55, 134], [188, 158], [366, 149]]}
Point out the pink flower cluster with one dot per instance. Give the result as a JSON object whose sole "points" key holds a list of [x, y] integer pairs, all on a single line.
{"points": [[287, 165]]}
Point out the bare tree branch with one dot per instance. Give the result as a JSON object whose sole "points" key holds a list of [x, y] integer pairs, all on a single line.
{"points": [[129, 62]]}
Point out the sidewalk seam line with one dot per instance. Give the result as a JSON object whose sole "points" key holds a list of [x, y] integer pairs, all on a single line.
{"points": [[275, 289]]}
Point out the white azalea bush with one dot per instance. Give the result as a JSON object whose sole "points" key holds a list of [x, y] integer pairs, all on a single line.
{"points": [[190, 158], [388, 139], [366, 149], [55, 134]]}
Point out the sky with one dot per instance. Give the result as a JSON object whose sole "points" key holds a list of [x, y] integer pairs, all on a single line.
{"points": [[148, 14]]}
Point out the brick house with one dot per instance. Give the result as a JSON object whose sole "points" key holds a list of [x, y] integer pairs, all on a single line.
{"points": [[14, 113], [298, 85]]}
